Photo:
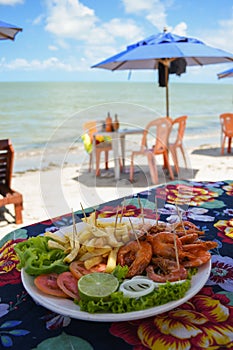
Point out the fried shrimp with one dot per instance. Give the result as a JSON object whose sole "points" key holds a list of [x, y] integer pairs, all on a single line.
{"points": [[196, 258], [200, 245], [159, 227], [196, 254], [163, 270], [189, 238], [164, 243], [186, 227], [166, 255], [136, 255]]}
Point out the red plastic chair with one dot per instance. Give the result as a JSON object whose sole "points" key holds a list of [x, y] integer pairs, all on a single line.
{"points": [[178, 126], [160, 147], [226, 120]]}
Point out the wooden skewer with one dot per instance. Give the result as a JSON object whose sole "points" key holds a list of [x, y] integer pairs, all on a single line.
{"points": [[84, 214], [95, 218], [156, 212], [74, 229], [139, 245], [176, 250], [180, 217], [115, 226], [141, 208], [122, 210]]}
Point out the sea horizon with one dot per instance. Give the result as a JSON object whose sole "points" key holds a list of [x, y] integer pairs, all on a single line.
{"points": [[38, 115]]}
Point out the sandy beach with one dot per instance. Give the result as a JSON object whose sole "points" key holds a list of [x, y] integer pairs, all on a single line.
{"points": [[55, 191]]}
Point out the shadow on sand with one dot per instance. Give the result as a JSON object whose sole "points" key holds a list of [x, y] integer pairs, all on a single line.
{"points": [[211, 152], [6, 217], [142, 177]]}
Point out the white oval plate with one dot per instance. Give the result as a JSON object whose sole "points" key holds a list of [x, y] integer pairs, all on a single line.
{"points": [[67, 307]]}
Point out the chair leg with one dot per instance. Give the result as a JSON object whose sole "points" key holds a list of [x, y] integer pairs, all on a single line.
{"points": [[169, 166], [223, 144], [106, 160], [164, 162], [175, 159], [121, 165], [184, 157], [97, 169], [18, 213], [152, 167], [90, 162], [229, 145], [131, 172]]}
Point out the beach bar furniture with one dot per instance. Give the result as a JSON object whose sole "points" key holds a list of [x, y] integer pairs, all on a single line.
{"points": [[7, 194], [100, 145], [161, 134], [226, 120], [118, 141], [178, 129]]}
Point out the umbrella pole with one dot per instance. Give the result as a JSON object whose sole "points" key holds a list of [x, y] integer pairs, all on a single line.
{"points": [[167, 100], [167, 92]]}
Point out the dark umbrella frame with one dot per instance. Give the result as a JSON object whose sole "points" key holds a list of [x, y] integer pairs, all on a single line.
{"points": [[163, 50], [8, 31], [226, 74]]}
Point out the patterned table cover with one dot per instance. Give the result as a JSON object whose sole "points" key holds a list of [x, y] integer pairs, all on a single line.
{"points": [[205, 321]]}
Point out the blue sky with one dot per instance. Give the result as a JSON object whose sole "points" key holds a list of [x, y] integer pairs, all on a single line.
{"points": [[62, 39]]}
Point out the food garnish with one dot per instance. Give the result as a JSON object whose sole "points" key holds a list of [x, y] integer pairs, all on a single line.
{"points": [[97, 285], [137, 287], [36, 258], [104, 257]]}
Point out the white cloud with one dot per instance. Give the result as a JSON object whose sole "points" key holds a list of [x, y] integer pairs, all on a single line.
{"points": [[70, 19], [126, 29], [11, 2], [153, 10], [52, 63], [132, 6], [221, 37], [38, 19], [52, 48], [180, 29]]}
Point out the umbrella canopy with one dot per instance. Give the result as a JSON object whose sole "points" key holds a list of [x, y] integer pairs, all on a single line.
{"points": [[226, 74], [167, 52], [8, 31]]}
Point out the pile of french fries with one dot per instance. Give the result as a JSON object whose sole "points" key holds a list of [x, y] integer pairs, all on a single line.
{"points": [[97, 242]]}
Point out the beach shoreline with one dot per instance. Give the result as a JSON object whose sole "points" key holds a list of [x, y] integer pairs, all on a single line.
{"points": [[57, 190]]}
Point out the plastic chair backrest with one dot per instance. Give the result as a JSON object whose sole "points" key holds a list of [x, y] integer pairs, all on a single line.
{"points": [[161, 134], [226, 120], [92, 126], [6, 162], [178, 129]]}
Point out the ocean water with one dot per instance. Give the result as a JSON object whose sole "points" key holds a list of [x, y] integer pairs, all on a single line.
{"points": [[47, 115]]}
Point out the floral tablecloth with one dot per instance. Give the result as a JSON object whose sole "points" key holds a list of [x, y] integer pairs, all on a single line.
{"points": [[205, 321]]}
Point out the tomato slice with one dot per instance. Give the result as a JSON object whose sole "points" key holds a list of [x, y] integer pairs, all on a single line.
{"points": [[77, 269], [68, 284], [99, 268], [48, 284]]}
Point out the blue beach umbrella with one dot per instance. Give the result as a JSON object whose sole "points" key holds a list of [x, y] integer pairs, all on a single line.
{"points": [[167, 52], [8, 31], [226, 74]]}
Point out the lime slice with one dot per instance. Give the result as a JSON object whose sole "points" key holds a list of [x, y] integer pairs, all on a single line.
{"points": [[97, 285]]}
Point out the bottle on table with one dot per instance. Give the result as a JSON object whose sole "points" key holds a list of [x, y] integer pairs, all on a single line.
{"points": [[108, 123], [116, 123]]}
